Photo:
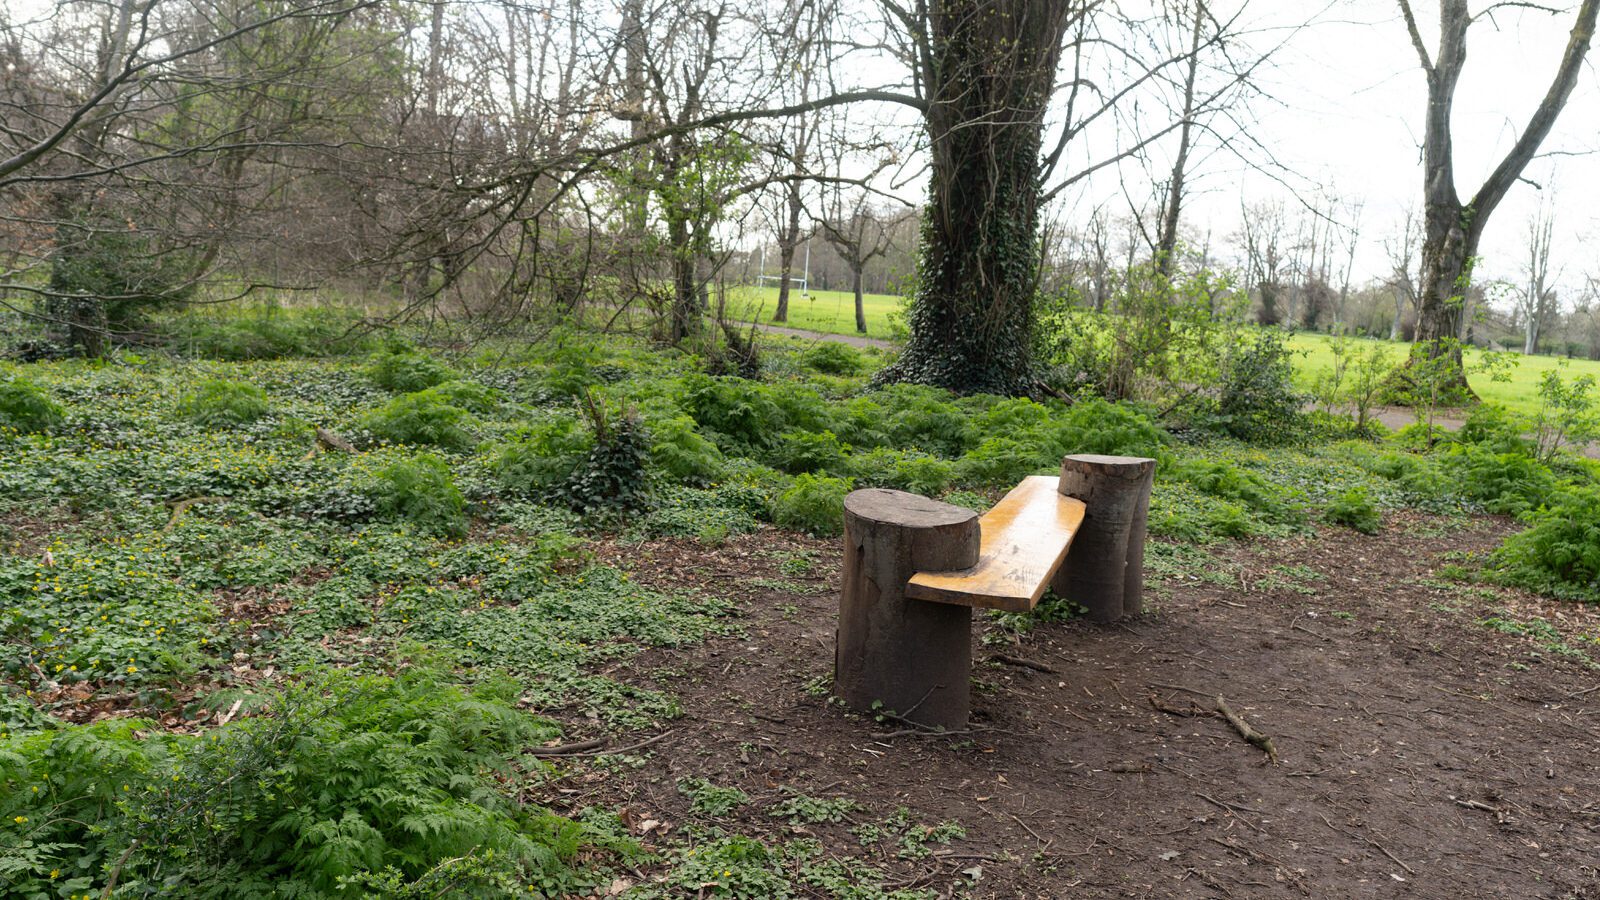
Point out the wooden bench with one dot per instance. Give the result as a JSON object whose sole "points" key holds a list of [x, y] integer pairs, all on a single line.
{"points": [[915, 569]]}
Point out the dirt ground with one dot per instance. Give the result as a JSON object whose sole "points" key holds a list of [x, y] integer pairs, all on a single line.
{"points": [[1422, 754]]}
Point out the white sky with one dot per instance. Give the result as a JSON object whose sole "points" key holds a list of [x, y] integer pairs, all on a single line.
{"points": [[1351, 96]]}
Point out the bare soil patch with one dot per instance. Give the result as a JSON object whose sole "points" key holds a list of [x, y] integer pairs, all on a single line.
{"points": [[1422, 754]]}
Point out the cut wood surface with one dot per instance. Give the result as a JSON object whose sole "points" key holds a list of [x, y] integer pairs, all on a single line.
{"points": [[1023, 541]]}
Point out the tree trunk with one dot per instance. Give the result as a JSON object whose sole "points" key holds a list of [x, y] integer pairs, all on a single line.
{"points": [[1167, 244], [685, 314], [894, 654], [861, 310], [988, 68], [786, 247], [1452, 229]]}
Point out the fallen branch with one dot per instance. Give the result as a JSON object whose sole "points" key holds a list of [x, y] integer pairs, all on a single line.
{"points": [[333, 441], [1221, 709], [591, 748], [179, 507], [1024, 663], [1252, 737]]}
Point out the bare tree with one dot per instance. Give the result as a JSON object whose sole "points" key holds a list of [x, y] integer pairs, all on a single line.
{"points": [[1536, 301], [1452, 228], [1404, 279]]}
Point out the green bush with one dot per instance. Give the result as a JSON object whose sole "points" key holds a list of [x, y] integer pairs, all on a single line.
{"points": [[1354, 508], [1509, 483], [1494, 428], [1559, 554], [407, 371], [468, 395], [350, 784], [420, 491], [833, 358], [906, 470], [814, 503], [121, 273], [739, 414], [805, 451], [421, 418], [923, 418], [1113, 429], [25, 407], [542, 458], [1257, 400], [612, 477], [273, 334], [678, 450], [1004, 461], [1228, 482], [219, 403]]}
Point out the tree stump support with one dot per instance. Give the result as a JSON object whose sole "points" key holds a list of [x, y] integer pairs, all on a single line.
{"points": [[1105, 569], [892, 653]]}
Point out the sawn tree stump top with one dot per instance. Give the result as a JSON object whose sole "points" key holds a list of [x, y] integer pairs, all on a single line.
{"points": [[1024, 540], [904, 509]]}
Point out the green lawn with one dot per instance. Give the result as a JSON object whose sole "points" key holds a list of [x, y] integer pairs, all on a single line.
{"points": [[1520, 393], [829, 311], [834, 312]]}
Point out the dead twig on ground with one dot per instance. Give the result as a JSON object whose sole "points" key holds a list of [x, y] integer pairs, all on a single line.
{"points": [[588, 748], [1024, 663], [1221, 709]]}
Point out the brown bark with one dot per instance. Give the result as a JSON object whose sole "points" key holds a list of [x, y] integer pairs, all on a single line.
{"points": [[1452, 229], [1104, 571], [894, 654]]}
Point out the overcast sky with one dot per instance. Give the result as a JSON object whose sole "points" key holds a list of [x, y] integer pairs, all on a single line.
{"points": [[1350, 97]]}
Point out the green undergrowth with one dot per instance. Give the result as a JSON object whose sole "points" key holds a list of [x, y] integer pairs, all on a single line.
{"points": [[180, 538]]}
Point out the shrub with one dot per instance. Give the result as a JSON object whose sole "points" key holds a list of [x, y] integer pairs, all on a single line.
{"points": [[1354, 508], [738, 413], [421, 492], [1509, 483], [25, 407], [407, 371], [117, 274], [805, 451], [907, 470], [1003, 461], [612, 476], [679, 451], [349, 783], [272, 334], [923, 418], [217, 403], [1257, 400], [1113, 429], [1228, 482], [833, 358], [815, 503], [421, 418], [1560, 553], [542, 459], [468, 395], [1493, 428]]}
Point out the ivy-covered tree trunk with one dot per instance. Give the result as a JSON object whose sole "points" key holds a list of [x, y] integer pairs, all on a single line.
{"points": [[988, 67]]}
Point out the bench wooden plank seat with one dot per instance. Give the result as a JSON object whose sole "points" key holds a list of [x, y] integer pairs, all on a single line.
{"points": [[1023, 541]]}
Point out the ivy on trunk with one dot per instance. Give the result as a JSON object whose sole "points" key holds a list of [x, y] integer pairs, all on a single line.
{"points": [[987, 67]]}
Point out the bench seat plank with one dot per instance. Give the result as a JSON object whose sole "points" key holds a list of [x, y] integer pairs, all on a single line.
{"points": [[1024, 540]]}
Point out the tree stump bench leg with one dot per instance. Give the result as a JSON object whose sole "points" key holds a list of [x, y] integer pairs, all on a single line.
{"points": [[1104, 570], [912, 657]]}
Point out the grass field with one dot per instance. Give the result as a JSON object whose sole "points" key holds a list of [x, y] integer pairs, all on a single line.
{"points": [[834, 312], [1520, 393], [829, 311]]}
